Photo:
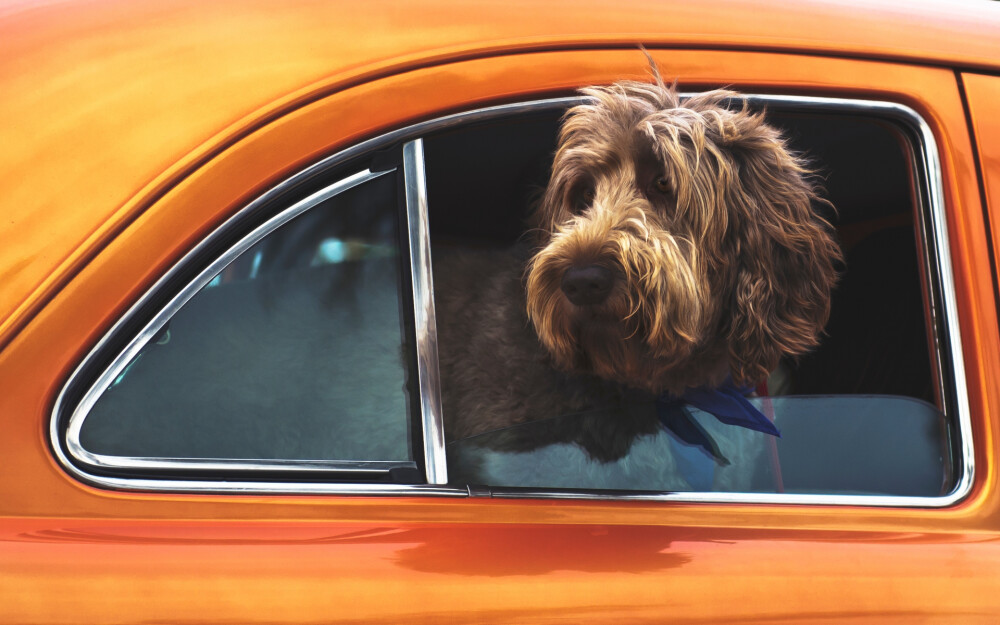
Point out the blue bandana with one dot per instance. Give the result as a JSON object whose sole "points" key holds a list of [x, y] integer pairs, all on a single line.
{"points": [[695, 453]]}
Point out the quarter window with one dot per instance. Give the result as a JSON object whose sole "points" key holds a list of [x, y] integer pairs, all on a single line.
{"points": [[291, 356]]}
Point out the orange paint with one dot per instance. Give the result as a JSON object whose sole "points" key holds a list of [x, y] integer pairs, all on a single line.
{"points": [[318, 571], [133, 129]]}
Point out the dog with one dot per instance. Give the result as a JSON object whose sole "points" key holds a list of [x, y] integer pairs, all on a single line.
{"points": [[675, 247]]}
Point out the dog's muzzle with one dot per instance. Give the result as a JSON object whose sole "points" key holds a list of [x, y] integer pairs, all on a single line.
{"points": [[587, 286]]}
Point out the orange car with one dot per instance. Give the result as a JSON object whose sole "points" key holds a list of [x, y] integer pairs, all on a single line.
{"points": [[215, 247]]}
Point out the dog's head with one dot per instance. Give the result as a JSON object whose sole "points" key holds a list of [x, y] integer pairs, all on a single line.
{"points": [[678, 244]]}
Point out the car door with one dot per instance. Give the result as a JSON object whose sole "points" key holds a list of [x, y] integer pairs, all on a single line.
{"points": [[135, 518]]}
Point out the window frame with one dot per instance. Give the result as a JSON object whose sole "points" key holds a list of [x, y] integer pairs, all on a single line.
{"points": [[101, 471]]}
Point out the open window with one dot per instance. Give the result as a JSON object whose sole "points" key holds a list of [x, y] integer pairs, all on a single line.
{"points": [[864, 414], [295, 350]]}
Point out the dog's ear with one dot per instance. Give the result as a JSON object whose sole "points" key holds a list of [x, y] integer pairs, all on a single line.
{"points": [[548, 208], [543, 215], [784, 252]]}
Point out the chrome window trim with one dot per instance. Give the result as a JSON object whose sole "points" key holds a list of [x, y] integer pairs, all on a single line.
{"points": [[944, 307], [415, 181]]}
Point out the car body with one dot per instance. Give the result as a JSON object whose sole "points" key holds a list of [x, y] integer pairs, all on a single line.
{"points": [[138, 135]]}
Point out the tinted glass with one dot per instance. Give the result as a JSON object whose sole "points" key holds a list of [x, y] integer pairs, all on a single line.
{"points": [[871, 445], [294, 351]]}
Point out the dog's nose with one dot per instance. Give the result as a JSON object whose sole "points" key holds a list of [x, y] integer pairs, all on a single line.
{"points": [[587, 286]]}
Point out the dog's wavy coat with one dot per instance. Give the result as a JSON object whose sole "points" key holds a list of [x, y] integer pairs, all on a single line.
{"points": [[676, 246]]}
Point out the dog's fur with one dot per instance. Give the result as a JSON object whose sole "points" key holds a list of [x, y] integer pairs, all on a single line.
{"points": [[710, 263]]}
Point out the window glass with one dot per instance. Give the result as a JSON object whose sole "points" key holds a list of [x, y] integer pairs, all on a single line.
{"points": [[844, 445], [294, 351]]}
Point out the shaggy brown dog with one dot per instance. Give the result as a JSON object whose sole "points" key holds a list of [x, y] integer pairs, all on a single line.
{"points": [[676, 248]]}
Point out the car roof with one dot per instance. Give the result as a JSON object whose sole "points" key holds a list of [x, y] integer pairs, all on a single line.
{"points": [[101, 99]]}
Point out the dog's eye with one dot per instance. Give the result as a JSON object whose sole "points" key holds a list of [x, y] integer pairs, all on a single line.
{"points": [[662, 185], [583, 199]]}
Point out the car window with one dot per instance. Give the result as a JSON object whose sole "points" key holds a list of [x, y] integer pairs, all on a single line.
{"points": [[293, 352], [309, 345]]}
